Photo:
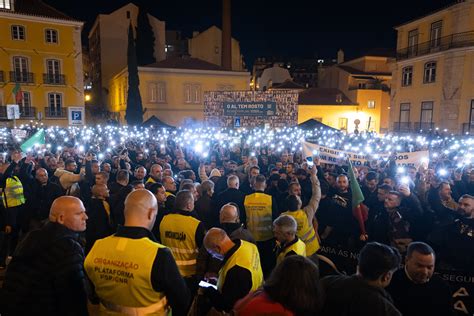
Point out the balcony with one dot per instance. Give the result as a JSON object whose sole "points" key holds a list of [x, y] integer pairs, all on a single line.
{"points": [[54, 79], [55, 112], [457, 40], [2, 76], [27, 112], [425, 126], [402, 127], [468, 128], [370, 86], [21, 77]]}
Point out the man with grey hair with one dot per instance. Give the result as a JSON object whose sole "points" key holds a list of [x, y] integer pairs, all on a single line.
{"points": [[131, 272], [230, 222], [284, 230], [184, 235]]}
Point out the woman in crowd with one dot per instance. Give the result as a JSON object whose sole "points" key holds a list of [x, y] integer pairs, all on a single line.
{"points": [[291, 290]]}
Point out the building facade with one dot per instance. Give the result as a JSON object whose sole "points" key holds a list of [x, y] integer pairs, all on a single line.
{"points": [[207, 46], [108, 40], [366, 83], [173, 89], [41, 61], [433, 78]]}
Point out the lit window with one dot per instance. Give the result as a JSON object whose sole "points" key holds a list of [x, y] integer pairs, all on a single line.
{"points": [[371, 104], [430, 72], [407, 76], [18, 32], [6, 4]]}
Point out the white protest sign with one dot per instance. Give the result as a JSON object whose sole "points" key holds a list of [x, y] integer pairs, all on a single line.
{"points": [[333, 156]]}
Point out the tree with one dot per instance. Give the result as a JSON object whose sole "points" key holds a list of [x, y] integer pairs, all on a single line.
{"points": [[145, 39], [134, 112]]}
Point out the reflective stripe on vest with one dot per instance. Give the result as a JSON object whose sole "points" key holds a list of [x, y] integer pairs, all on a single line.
{"points": [[258, 208], [13, 193], [178, 232], [298, 247], [305, 231], [160, 308], [120, 269], [247, 257]]}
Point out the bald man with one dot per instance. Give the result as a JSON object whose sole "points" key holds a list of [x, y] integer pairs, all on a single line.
{"points": [[230, 222], [240, 271], [99, 224], [133, 274], [43, 193], [49, 261]]}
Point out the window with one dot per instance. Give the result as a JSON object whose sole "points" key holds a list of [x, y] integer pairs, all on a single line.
{"points": [[371, 104], [51, 36], [430, 72], [362, 85], [471, 117], [192, 93], [343, 123], [55, 103], [157, 92], [6, 4], [20, 69], [435, 34], [426, 112], [413, 42], [25, 100], [53, 71], [18, 32], [404, 112], [407, 76]]}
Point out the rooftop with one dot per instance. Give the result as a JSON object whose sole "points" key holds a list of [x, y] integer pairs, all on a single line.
{"points": [[324, 96], [38, 8]]}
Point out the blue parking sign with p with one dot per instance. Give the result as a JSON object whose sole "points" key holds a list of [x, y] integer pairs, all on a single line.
{"points": [[76, 115]]}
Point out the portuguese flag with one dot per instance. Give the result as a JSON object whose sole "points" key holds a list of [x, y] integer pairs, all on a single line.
{"points": [[359, 210]]}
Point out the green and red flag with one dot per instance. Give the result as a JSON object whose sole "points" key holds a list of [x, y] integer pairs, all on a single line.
{"points": [[359, 210], [18, 93]]}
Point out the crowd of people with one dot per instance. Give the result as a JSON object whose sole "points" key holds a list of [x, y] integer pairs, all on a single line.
{"points": [[120, 221]]}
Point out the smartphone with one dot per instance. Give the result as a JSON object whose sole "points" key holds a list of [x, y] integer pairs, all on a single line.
{"points": [[310, 162], [207, 284]]}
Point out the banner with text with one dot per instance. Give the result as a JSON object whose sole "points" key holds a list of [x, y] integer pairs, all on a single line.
{"points": [[334, 156]]}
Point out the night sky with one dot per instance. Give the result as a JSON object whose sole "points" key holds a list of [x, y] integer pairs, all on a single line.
{"points": [[292, 28]]}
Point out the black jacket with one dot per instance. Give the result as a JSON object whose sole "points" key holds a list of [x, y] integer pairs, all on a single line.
{"points": [[352, 296], [230, 195], [206, 211], [432, 298], [98, 223], [46, 274], [41, 198]]}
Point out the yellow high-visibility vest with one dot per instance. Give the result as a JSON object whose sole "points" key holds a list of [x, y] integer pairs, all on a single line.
{"points": [[120, 269], [247, 257], [305, 231], [178, 232], [13, 195], [298, 247], [258, 208]]}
